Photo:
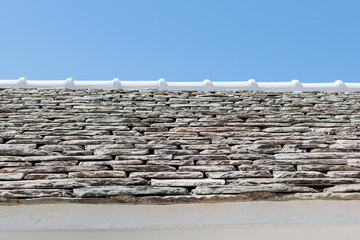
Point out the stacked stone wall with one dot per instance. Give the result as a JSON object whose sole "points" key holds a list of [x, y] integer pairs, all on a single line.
{"points": [[153, 146]]}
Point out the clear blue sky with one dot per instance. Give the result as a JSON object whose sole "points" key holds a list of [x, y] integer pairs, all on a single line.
{"points": [[181, 40]]}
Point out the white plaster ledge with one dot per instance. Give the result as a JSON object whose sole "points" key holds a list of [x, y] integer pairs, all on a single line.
{"points": [[178, 216]]}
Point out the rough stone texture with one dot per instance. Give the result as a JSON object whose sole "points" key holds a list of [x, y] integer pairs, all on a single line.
{"points": [[152, 146]]}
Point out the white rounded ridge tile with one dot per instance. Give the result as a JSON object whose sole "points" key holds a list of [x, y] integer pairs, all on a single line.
{"points": [[207, 85]]}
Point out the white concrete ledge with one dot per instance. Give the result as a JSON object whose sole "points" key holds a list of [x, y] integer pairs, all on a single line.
{"points": [[177, 216], [293, 232], [296, 220], [206, 85]]}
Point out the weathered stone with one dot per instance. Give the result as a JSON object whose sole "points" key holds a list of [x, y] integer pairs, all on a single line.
{"points": [[34, 193], [170, 134], [239, 174], [324, 196], [8, 147], [298, 174], [325, 167], [65, 158], [205, 147], [246, 167], [344, 188], [327, 155], [201, 157], [214, 129], [70, 183], [144, 168], [22, 152], [345, 145], [57, 163], [15, 164], [155, 146], [69, 132], [216, 152], [295, 181], [279, 188], [144, 157], [344, 174], [186, 182], [175, 152], [97, 174], [113, 152], [171, 162], [251, 156], [86, 142], [301, 162], [213, 168], [133, 190], [115, 162], [223, 162], [60, 148], [286, 129], [109, 146], [167, 175], [53, 169], [10, 176], [112, 128], [36, 176]]}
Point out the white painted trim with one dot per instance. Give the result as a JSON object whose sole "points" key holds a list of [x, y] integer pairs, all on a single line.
{"points": [[206, 85], [177, 216]]}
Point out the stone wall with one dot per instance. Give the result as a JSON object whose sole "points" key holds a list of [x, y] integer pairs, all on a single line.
{"points": [[153, 146]]}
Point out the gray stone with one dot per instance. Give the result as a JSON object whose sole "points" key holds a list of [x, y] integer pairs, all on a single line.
{"points": [[344, 174], [97, 174], [171, 162], [175, 152], [213, 168], [113, 152], [214, 129], [327, 155], [223, 162], [298, 174], [133, 190], [343, 188], [325, 167], [114, 162], [144, 168], [54, 169], [286, 129], [296, 181], [186, 182], [144, 157], [201, 157], [278, 188], [36, 176], [15, 164], [70, 183], [167, 175], [8, 147], [65, 158], [239, 174], [34, 193], [11, 176], [247, 167]]}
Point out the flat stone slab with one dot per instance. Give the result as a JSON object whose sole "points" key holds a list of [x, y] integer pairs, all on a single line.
{"points": [[11, 176], [186, 182], [132, 190], [206, 190]]}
